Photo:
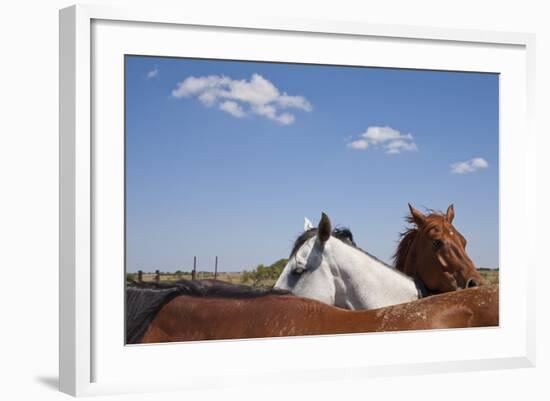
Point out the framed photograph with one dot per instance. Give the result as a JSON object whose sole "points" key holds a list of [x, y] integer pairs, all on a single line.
{"points": [[264, 197]]}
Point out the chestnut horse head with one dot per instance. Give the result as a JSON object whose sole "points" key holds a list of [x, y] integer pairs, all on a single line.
{"points": [[435, 252]]}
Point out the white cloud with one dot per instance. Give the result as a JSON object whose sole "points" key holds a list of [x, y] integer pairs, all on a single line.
{"points": [[270, 112], [298, 102], [153, 73], [232, 108], [381, 134], [285, 118], [358, 144], [469, 166], [242, 97], [397, 145], [194, 86], [386, 138]]}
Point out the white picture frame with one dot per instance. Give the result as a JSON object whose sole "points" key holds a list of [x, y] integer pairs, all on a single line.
{"points": [[92, 38]]}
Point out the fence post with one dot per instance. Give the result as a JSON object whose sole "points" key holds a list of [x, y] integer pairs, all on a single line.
{"points": [[140, 276], [157, 276], [216, 269], [194, 272]]}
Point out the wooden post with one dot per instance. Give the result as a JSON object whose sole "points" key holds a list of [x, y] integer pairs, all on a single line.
{"points": [[216, 269], [140, 276], [194, 272], [157, 276]]}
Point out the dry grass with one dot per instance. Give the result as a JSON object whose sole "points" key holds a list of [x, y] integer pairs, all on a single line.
{"points": [[491, 276], [234, 278]]}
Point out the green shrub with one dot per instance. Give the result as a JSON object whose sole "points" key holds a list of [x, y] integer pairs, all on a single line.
{"points": [[264, 275]]}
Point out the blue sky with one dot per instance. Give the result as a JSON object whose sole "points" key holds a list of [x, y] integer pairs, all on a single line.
{"points": [[226, 158]]}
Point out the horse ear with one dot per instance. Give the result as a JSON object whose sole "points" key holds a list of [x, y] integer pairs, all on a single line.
{"points": [[324, 229], [417, 216], [307, 224], [450, 213]]}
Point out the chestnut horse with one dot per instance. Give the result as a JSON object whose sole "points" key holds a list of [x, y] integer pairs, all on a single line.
{"points": [[190, 311], [434, 251]]}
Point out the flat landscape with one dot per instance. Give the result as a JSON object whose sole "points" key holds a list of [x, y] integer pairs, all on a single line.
{"points": [[258, 280]]}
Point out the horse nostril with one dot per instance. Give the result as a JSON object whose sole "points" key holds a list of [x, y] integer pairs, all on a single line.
{"points": [[471, 283]]}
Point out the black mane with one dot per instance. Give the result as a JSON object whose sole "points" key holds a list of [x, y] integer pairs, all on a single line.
{"points": [[343, 234], [144, 300]]}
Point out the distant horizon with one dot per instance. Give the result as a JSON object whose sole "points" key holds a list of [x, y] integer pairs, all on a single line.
{"points": [[226, 158], [188, 271]]}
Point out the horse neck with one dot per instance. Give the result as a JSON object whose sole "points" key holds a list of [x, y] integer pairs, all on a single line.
{"points": [[368, 280]]}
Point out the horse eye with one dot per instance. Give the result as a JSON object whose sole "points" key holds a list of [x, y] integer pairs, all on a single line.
{"points": [[437, 244], [298, 269]]}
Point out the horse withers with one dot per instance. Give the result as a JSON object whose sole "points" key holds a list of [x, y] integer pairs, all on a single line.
{"points": [[326, 265], [434, 251]]}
